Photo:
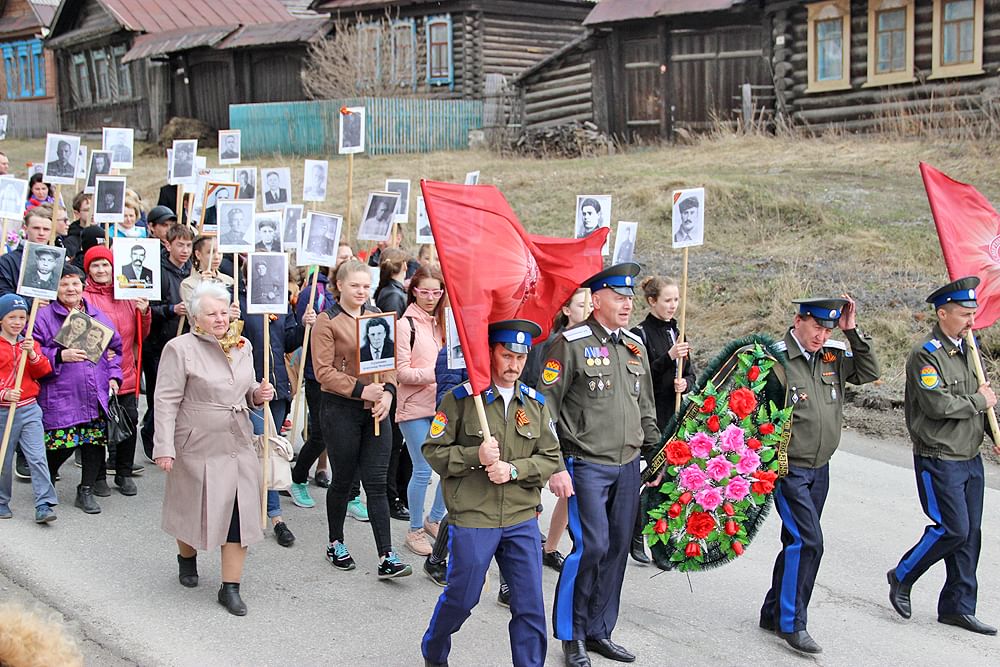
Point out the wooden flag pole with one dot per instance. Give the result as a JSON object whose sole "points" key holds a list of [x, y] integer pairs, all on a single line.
{"points": [[681, 323], [481, 411], [180, 203], [267, 421], [3, 243], [301, 379], [991, 416], [350, 192]]}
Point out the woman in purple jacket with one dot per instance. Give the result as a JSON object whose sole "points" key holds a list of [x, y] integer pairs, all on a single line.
{"points": [[74, 397]]}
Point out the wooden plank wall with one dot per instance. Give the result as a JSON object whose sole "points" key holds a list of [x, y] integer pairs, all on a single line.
{"points": [[561, 94], [511, 45], [30, 120], [868, 108]]}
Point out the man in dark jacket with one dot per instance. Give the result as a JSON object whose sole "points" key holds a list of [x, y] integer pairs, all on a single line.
{"points": [[74, 238], [37, 228]]}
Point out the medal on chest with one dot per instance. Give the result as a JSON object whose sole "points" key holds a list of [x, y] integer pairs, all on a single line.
{"points": [[597, 356]]}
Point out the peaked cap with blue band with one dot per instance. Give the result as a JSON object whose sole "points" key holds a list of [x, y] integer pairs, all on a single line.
{"points": [[515, 335], [961, 291], [825, 311], [621, 278]]}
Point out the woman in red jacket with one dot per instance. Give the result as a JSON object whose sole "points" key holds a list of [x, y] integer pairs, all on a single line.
{"points": [[132, 320]]}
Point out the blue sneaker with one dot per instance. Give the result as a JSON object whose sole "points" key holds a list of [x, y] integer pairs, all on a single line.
{"points": [[338, 554], [44, 514], [300, 495], [5, 512], [357, 509]]}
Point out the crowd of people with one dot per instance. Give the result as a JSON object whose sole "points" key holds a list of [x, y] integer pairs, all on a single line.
{"points": [[576, 414]]}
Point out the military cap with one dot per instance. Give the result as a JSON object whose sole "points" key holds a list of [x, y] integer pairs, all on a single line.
{"points": [[48, 250], [961, 291], [267, 222], [620, 278], [515, 335], [825, 311], [687, 203]]}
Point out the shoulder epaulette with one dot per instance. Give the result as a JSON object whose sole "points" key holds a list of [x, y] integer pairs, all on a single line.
{"points": [[932, 345], [532, 394], [779, 346], [462, 391], [632, 336], [576, 333], [836, 344]]}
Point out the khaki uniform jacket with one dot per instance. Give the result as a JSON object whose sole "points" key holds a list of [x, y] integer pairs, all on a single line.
{"points": [[528, 443], [944, 410], [605, 413], [816, 390]]}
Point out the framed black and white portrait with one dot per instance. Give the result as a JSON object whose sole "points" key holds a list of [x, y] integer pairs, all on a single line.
{"points": [[352, 131], [100, 165], [277, 187], [109, 199], [13, 194], [376, 222], [267, 231], [320, 239], [183, 169], [402, 188], [376, 343], [61, 153], [81, 163], [267, 283], [625, 237], [80, 331], [236, 219], [120, 142], [41, 269], [314, 177], [247, 179], [136, 268], [3, 126], [592, 213], [229, 146], [214, 193], [472, 178], [291, 219], [424, 234], [688, 218], [456, 359]]}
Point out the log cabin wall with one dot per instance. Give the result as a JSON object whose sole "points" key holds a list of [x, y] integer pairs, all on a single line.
{"points": [[861, 105], [561, 93]]}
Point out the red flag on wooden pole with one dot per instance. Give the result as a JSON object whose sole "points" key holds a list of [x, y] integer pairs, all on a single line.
{"points": [[494, 270]]}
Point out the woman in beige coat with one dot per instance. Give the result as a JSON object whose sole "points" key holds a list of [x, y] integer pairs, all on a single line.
{"points": [[204, 392]]}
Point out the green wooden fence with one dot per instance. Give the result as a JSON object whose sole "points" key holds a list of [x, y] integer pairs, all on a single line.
{"points": [[405, 125]]}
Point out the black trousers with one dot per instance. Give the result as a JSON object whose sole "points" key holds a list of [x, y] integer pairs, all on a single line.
{"points": [[122, 455], [400, 466], [353, 447], [91, 459], [315, 445], [150, 365]]}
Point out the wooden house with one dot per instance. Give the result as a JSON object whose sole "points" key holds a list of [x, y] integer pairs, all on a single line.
{"points": [[28, 78], [450, 48]]}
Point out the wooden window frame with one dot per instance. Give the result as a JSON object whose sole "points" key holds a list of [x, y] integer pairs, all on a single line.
{"points": [[889, 78], [448, 80], [940, 71], [25, 76], [823, 11], [10, 70], [81, 88], [363, 43], [409, 79], [122, 73], [38, 65]]}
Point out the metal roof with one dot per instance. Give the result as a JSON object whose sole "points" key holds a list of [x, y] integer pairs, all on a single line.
{"points": [[287, 32], [158, 16], [333, 6], [156, 44], [613, 11]]}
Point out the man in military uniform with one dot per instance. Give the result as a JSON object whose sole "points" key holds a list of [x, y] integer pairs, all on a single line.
{"points": [[817, 370], [492, 487], [597, 383], [944, 407]]}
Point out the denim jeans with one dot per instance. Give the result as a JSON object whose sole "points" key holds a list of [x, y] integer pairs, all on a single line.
{"points": [[278, 410], [27, 430], [415, 432]]}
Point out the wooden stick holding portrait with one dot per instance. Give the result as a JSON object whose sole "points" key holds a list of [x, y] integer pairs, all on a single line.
{"points": [[267, 424], [688, 227]]}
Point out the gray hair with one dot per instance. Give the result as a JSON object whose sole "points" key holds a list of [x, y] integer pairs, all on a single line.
{"points": [[206, 290]]}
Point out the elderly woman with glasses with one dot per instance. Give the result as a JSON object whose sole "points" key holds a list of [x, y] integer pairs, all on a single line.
{"points": [[206, 387]]}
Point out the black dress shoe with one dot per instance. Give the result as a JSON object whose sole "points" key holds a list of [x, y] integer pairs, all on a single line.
{"points": [[801, 641], [553, 559], [125, 485], [609, 650], [766, 623], [101, 488], [229, 597], [575, 653], [638, 551], [398, 511], [85, 500], [187, 570], [899, 595], [968, 622]]}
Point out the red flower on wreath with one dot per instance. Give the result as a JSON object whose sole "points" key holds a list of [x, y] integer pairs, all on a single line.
{"points": [[753, 373], [678, 453], [700, 524], [767, 428], [753, 443], [692, 550], [708, 406], [742, 402], [660, 527], [765, 482], [713, 424]]}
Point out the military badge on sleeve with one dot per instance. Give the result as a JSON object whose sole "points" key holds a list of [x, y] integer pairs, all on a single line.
{"points": [[438, 425], [929, 377], [551, 371]]}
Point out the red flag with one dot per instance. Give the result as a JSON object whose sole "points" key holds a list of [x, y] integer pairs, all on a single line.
{"points": [[494, 270], [969, 230]]}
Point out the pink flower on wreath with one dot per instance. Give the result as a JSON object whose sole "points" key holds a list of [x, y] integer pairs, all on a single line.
{"points": [[749, 461], [701, 445], [693, 478], [731, 439], [709, 498], [718, 468], [737, 489]]}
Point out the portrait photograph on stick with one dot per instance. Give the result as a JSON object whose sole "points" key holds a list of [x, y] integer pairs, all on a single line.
{"points": [[314, 180], [402, 188], [247, 179], [109, 199], [424, 234], [229, 146], [61, 153], [80, 331], [624, 242], [3, 126], [136, 268], [98, 165], [456, 359], [376, 222], [376, 343], [214, 193], [183, 169], [352, 131], [267, 232], [13, 194], [472, 178], [267, 283], [688, 219], [592, 213], [320, 239], [277, 188], [236, 219], [81, 163], [291, 221], [41, 269], [120, 143]]}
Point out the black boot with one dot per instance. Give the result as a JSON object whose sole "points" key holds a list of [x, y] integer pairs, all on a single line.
{"points": [[85, 500], [638, 551], [187, 570], [229, 597], [125, 485]]}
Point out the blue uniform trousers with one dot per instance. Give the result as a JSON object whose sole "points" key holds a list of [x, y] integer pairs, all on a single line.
{"points": [[519, 554], [601, 516], [951, 494], [799, 498]]}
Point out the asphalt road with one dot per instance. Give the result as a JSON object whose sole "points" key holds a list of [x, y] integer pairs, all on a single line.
{"points": [[113, 577]]}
